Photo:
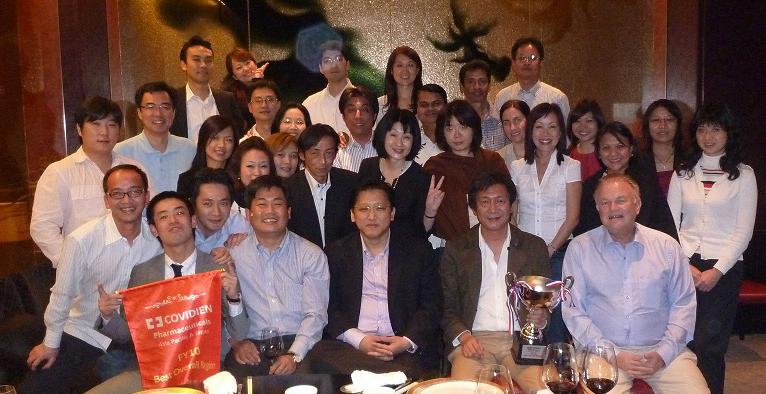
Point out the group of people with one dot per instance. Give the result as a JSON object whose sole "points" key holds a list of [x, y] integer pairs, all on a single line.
{"points": [[362, 227]]}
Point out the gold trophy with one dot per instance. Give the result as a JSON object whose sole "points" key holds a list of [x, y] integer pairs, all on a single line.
{"points": [[533, 291]]}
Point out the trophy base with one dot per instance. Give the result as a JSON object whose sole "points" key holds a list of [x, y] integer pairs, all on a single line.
{"points": [[527, 352]]}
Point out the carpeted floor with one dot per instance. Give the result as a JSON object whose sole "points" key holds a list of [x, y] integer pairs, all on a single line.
{"points": [[746, 365]]}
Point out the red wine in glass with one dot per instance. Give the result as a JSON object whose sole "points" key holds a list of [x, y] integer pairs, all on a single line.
{"points": [[599, 385]]}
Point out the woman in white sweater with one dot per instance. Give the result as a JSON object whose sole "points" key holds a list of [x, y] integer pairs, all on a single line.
{"points": [[713, 198]]}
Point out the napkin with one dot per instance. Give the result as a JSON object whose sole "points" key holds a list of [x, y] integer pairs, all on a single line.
{"points": [[221, 383], [364, 379]]}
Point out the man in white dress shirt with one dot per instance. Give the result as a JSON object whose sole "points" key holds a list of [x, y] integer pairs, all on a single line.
{"points": [[360, 109], [197, 101], [69, 192], [100, 253], [323, 105], [162, 154], [263, 105], [527, 55]]}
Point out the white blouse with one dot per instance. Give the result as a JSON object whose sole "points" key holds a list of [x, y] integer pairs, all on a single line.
{"points": [[543, 205], [720, 225]]}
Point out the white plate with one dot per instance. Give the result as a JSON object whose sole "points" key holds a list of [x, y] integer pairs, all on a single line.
{"points": [[459, 387]]}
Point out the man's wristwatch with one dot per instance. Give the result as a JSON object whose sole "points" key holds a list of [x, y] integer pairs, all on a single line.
{"points": [[294, 356]]}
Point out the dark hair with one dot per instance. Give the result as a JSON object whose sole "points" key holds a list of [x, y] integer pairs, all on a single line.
{"points": [[207, 176], [314, 133], [264, 182], [648, 143], [373, 185], [358, 91], [486, 180], [155, 87], [524, 41], [409, 125], [540, 111], [166, 195], [715, 114], [252, 143], [284, 109], [332, 45], [391, 92], [518, 104], [431, 88], [209, 129], [125, 167], [475, 64], [193, 42], [466, 116], [581, 109], [622, 133], [263, 84], [97, 108]]}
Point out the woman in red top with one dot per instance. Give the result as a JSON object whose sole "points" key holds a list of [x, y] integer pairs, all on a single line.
{"points": [[585, 120], [458, 133]]}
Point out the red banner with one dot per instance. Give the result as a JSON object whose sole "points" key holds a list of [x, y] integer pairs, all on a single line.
{"points": [[176, 328]]}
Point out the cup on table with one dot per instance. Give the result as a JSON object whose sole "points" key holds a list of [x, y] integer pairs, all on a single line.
{"points": [[301, 389]]}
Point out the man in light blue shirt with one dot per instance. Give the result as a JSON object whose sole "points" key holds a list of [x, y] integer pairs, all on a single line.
{"points": [[285, 284], [162, 154], [633, 290]]}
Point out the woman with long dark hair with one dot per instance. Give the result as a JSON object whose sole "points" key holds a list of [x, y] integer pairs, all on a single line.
{"points": [[215, 146], [513, 118], [404, 76], [713, 198], [585, 121], [241, 69], [617, 150], [661, 131]]}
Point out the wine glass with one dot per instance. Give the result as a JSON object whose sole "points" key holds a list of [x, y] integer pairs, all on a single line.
{"points": [[491, 377], [560, 370], [272, 345], [599, 369]]}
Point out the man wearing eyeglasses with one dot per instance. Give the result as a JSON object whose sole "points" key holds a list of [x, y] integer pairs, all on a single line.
{"points": [[385, 298], [323, 105], [527, 55], [100, 253], [264, 104], [162, 154], [197, 101], [360, 109]]}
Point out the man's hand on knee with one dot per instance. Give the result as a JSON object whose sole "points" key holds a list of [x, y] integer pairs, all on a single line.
{"points": [[470, 346], [245, 352], [42, 356]]}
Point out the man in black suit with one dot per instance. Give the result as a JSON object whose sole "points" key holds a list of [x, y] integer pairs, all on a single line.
{"points": [[197, 101], [320, 194], [385, 298]]}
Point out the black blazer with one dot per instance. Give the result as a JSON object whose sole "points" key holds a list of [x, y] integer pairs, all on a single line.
{"points": [[655, 212], [186, 183], [224, 101], [409, 196], [303, 217], [414, 291]]}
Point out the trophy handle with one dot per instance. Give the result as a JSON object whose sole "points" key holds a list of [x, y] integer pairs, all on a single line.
{"points": [[568, 282], [510, 279]]}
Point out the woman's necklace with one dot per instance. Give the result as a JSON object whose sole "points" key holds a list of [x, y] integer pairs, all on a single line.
{"points": [[664, 164], [396, 179]]}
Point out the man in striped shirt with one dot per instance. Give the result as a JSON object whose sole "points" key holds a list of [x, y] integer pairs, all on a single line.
{"points": [[360, 109], [101, 252]]}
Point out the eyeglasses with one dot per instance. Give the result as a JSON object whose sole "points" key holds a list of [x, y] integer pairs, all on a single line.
{"points": [[297, 122], [366, 209], [164, 107], [528, 58], [119, 194], [328, 61], [267, 100]]}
